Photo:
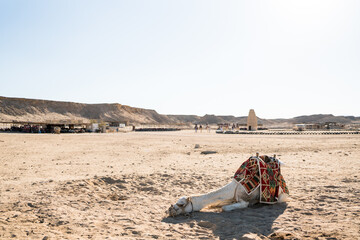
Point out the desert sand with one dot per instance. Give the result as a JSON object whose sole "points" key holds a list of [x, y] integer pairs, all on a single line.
{"points": [[119, 185]]}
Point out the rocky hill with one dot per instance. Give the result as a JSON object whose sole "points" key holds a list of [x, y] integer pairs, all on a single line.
{"points": [[33, 110]]}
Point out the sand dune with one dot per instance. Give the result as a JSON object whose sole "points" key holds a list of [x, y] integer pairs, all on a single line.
{"points": [[118, 186]]}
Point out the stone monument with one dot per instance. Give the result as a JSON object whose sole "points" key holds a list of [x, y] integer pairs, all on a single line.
{"points": [[252, 121]]}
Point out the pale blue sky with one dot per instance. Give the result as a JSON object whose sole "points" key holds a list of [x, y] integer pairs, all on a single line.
{"points": [[282, 58]]}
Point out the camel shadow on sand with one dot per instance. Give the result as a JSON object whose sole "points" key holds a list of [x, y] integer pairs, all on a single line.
{"points": [[257, 219]]}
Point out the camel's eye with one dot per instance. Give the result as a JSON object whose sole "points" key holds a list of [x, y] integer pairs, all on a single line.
{"points": [[180, 204]]}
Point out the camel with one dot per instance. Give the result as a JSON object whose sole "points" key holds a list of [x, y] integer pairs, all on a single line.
{"points": [[237, 194]]}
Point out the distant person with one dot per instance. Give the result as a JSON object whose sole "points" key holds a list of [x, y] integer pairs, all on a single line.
{"points": [[201, 128], [196, 127], [208, 128]]}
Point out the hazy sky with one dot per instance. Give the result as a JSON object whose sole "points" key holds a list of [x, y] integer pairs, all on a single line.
{"points": [[282, 58]]}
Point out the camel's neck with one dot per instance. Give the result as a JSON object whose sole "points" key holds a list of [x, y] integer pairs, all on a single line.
{"points": [[225, 193]]}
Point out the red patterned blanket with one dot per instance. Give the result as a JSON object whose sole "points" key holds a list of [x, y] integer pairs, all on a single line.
{"points": [[255, 172]]}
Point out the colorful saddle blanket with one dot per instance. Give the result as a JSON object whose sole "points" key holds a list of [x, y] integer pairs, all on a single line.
{"points": [[263, 172]]}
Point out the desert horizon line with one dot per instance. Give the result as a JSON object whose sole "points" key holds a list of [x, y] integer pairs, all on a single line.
{"points": [[182, 114]]}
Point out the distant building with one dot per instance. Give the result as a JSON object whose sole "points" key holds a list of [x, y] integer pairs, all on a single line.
{"points": [[318, 126], [252, 124]]}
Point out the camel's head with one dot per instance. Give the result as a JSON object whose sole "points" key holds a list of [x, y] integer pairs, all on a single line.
{"points": [[182, 206]]}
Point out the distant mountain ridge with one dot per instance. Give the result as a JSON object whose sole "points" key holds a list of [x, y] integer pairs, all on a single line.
{"points": [[34, 110], [322, 118]]}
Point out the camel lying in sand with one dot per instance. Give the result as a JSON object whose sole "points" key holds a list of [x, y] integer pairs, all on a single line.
{"points": [[257, 180]]}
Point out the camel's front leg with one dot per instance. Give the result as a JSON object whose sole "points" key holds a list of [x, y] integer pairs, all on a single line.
{"points": [[238, 205], [196, 203], [225, 193]]}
